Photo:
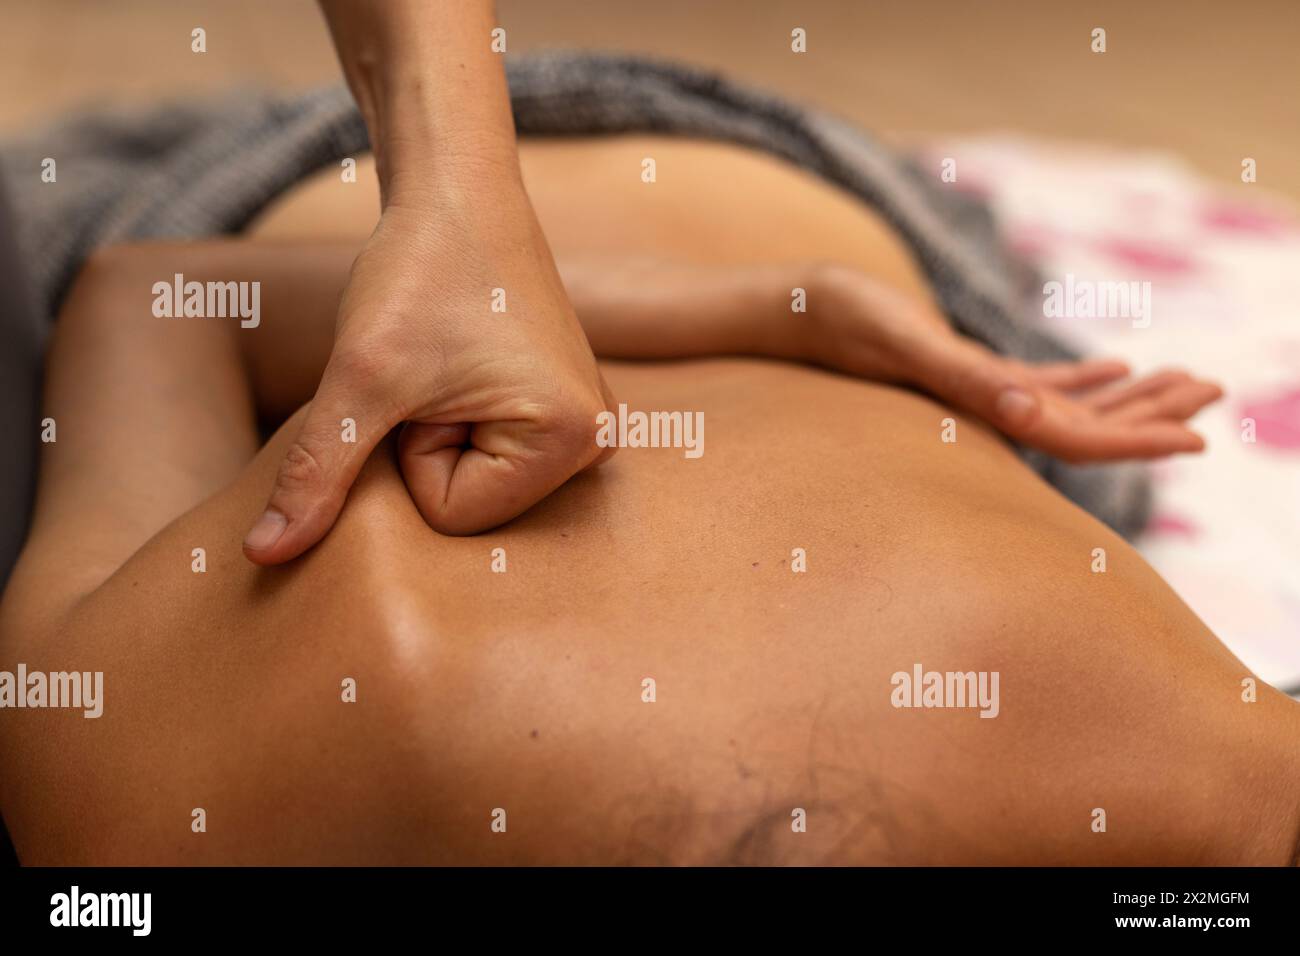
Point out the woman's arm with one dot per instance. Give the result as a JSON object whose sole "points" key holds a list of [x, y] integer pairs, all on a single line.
{"points": [[841, 318], [411, 342], [431, 90]]}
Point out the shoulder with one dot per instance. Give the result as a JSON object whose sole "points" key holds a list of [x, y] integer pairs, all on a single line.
{"points": [[225, 688]]}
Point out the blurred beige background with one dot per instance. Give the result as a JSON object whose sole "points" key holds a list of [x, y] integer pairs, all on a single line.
{"points": [[1211, 81]]}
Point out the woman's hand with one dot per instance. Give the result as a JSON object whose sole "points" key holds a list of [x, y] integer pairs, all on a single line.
{"points": [[1075, 411], [499, 403], [500, 406], [645, 308]]}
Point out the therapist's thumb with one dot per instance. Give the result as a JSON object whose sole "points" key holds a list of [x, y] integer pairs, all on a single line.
{"points": [[339, 433]]}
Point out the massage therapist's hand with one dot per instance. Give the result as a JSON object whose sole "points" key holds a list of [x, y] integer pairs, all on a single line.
{"points": [[1076, 411], [499, 405]]}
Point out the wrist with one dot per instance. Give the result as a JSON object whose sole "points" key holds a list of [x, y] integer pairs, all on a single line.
{"points": [[430, 89], [423, 146], [813, 335], [482, 201]]}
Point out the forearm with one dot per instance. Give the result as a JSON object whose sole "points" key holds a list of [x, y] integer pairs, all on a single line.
{"points": [[431, 91], [651, 309], [629, 309]]}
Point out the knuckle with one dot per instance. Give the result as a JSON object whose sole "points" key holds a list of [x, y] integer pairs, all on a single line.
{"points": [[571, 425], [299, 469]]}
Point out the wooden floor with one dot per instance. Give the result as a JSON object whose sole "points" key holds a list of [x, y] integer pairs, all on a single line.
{"points": [[1211, 81]]}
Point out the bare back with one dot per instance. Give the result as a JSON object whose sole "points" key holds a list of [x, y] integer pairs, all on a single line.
{"points": [[509, 671]]}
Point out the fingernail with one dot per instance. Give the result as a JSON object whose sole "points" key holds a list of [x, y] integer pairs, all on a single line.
{"points": [[1015, 405], [267, 531]]}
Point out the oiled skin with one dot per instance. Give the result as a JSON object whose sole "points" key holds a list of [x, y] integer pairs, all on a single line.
{"points": [[523, 690]]}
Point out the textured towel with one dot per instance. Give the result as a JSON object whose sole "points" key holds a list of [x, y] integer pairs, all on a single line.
{"points": [[197, 170]]}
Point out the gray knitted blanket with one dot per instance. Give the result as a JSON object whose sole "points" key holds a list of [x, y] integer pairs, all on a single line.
{"points": [[196, 170]]}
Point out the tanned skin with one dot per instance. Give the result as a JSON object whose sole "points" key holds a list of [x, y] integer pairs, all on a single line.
{"points": [[523, 690]]}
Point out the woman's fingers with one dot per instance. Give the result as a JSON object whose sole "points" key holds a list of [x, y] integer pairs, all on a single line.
{"points": [[1150, 440], [1137, 420], [1179, 402], [1072, 376], [1110, 441], [1108, 398], [467, 477], [1147, 423]]}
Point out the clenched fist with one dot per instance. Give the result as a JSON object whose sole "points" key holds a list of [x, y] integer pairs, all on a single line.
{"points": [[455, 325]]}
